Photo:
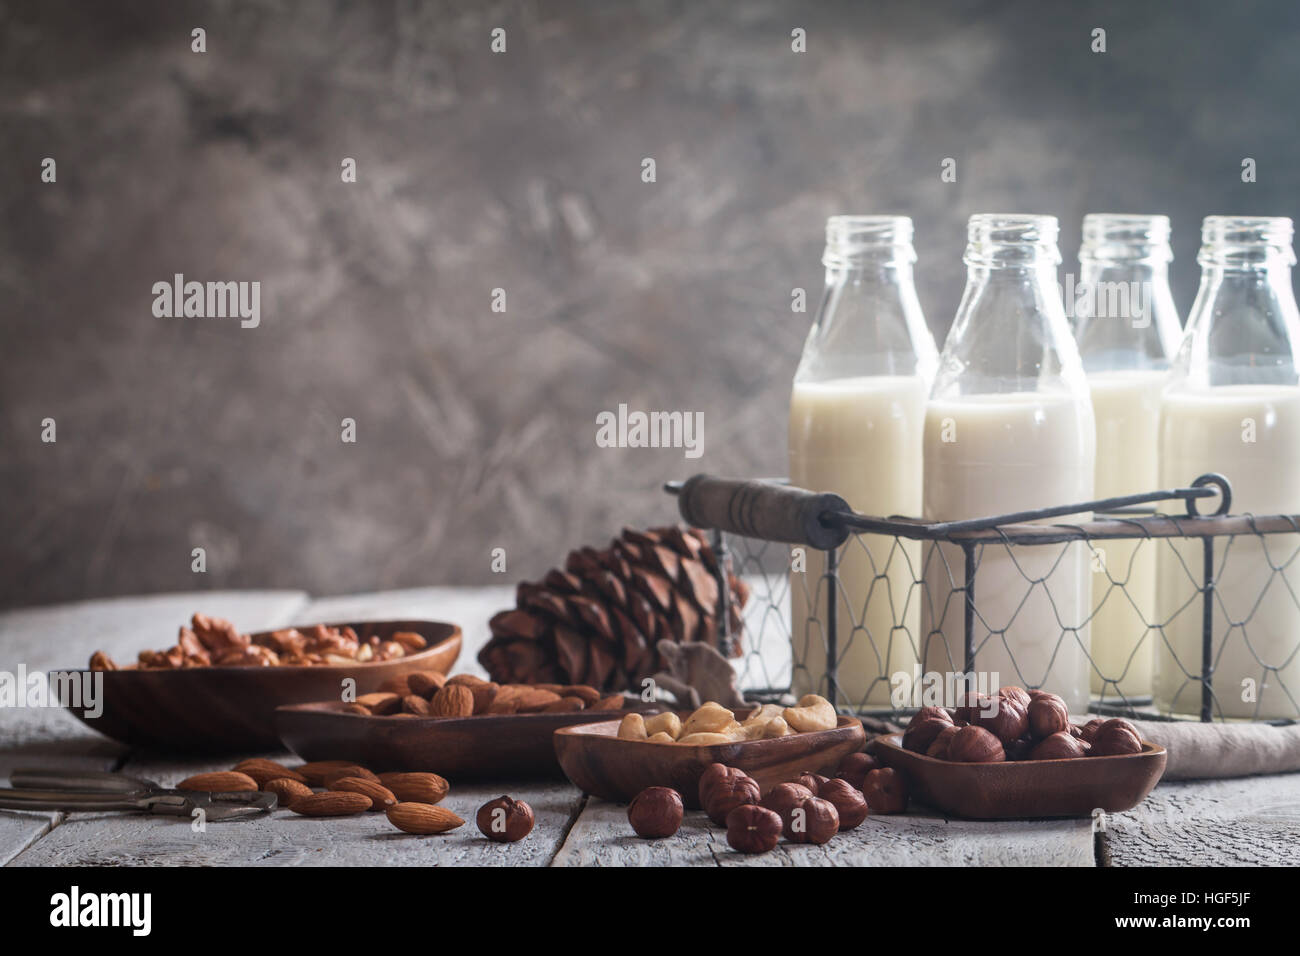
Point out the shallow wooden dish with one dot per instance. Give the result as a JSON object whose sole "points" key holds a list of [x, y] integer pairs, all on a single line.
{"points": [[599, 763], [513, 746], [1027, 788], [232, 709]]}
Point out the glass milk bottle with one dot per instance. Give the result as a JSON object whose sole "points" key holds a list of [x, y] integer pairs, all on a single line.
{"points": [[1233, 406], [856, 411], [1127, 329], [1009, 427]]}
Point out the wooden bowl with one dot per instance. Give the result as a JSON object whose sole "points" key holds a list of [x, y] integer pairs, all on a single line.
{"points": [[514, 746], [1073, 787], [232, 709], [598, 762]]}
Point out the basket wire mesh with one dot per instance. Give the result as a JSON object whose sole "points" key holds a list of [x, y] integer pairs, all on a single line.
{"points": [[862, 600]]}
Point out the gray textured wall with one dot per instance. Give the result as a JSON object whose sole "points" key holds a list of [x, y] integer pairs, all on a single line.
{"points": [[521, 171]]}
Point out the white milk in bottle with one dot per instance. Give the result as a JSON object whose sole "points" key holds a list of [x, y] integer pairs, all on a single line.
{"points": [[1009, 427], [1127, 329], [1233, 407], [856, 413]]}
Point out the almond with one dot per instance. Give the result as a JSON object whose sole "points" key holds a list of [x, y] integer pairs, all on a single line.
{"points": [[380, 796], [423, 818], [617, 702], [286, 790], [225, 781], [504, 704], [483, 696], [394, 685], [316, 771], [264, 771], [355, 708], [415, 787], [588, 695], [425, 683], [332, 803], [454, 700], [347, 770], [564, 705], [410, 640], [380, 704], [415, 704], [469, 680], [535, 699]]}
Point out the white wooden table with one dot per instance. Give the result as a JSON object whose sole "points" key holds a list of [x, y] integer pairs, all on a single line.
{"points": [[1252, 821]]}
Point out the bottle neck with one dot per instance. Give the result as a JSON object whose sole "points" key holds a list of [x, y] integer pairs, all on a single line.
{"points": [[1244, 328], [1123, 313], [1010, 333], [869, 322]]}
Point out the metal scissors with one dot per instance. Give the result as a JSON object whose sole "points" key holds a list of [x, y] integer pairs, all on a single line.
{"points": [[94, 790]]}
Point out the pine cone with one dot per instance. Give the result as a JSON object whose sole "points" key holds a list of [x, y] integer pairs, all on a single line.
{"points": [[597, 620]]}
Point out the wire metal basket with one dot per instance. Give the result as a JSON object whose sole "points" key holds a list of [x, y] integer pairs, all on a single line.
{"points": [[1226, 582]]}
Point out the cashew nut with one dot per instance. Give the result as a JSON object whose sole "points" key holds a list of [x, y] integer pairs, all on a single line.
{"points": [[776, 728], [813, 713], [632, 728], [667, 723], [711, 718], [764, 714]]}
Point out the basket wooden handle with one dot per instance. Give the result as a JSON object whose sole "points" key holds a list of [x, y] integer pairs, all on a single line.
{"points": [[762, 509]]}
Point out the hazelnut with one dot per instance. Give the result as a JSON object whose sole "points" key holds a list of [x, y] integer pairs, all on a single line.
{"points": [[1059, 746], [939, 749], [848, 801], [1115, 737], [813, 781], [505, 820], [885, 792], [1048, 715], [1088, 731], [1003, 717], [812, 820], [655, 812], [1018, 694], [1019, 749], [967, 703], [734, 791], [713, 774], [781, 798], [752, 829], [854, 768], [975, 745], [927, 724]]}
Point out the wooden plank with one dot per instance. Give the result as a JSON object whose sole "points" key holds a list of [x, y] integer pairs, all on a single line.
{"points": [[1247, 821], [20, 829], [283, 838], [601, 837]]}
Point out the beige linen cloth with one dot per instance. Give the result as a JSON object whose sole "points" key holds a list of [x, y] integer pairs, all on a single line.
{"points": [[1199, 750]]}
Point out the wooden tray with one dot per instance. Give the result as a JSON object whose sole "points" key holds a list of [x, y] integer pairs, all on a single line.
{"points": [[598, 762], [511, 746], [1073, 787], [232, 709]]}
